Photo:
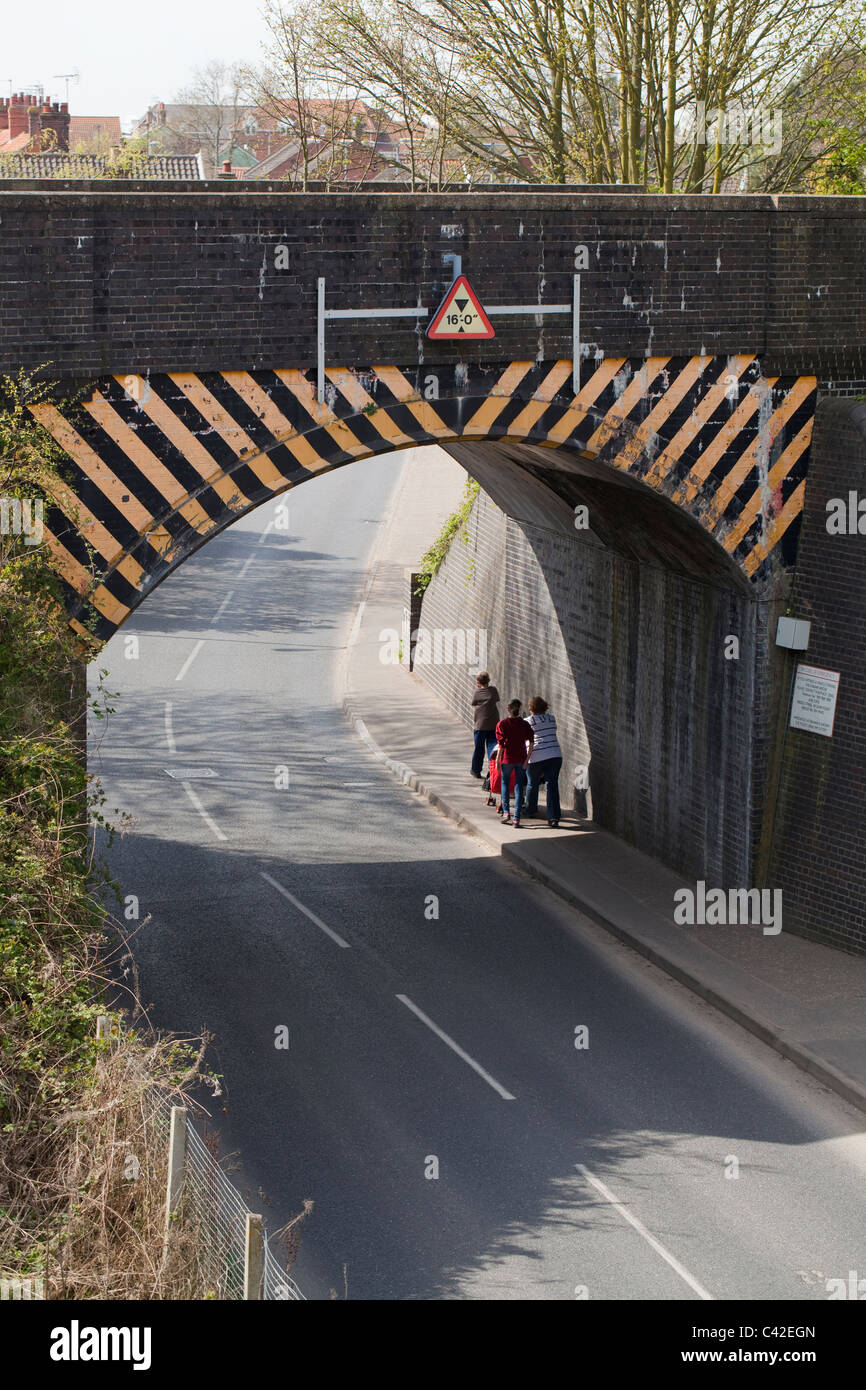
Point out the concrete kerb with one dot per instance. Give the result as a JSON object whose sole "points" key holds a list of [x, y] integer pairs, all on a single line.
{"points": [[805, 1059]]}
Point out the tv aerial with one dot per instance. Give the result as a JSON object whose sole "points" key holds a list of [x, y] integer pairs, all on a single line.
{"points": [[68, 77]]}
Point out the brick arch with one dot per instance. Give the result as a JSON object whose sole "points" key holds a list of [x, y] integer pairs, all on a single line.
{"points": [[158, 465]]}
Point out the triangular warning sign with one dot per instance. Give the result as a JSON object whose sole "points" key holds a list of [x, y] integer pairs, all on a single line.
{"points": [[460, 314]]}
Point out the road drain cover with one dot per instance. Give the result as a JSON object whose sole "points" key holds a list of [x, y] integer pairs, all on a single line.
{"points": [[187, 774]]}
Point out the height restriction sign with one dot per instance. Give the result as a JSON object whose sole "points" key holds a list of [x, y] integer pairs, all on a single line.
{"points": [[460, 314]]}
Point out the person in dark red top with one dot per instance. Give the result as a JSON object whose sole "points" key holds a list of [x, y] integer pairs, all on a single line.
{"points": [[515, 738]]}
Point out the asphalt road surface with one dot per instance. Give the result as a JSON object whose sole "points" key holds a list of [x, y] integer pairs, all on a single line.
{"points": [[422, 1044]]}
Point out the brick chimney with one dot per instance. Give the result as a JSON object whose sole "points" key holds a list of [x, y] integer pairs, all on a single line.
{"points": [[34, 127], [4, 113], [18, 108], [56, 118]]}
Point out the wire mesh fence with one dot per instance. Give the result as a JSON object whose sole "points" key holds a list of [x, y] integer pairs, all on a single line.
{"points": [[221, 1215]]}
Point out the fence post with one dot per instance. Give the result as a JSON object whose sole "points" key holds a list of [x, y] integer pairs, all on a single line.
{"points": [[254, 1262], [176, 1163], [103, 1026]]}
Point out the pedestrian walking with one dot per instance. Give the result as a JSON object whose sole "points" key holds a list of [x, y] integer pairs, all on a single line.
{"points": [[515, 738], [485, 710], [545, 760]]}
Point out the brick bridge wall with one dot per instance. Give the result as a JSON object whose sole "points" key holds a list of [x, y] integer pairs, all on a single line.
{"points": [[136, 277], [816, 832]]}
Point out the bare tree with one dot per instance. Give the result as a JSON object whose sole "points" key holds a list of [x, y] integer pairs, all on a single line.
{"points": [[669, 94], [208, 113]]}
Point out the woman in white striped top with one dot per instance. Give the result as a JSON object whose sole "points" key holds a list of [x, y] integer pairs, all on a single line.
{"points": [[545, 760]]}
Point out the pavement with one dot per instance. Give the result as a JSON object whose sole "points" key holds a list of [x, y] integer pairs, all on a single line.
{"points": [[805, 1000]]}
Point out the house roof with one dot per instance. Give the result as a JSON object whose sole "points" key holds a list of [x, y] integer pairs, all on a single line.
{"points": [[240, 158], [58, 164], [18, 142], [83, 129]]}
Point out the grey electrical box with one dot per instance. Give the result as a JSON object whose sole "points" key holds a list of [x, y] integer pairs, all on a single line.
{"points": [[793, 633]]}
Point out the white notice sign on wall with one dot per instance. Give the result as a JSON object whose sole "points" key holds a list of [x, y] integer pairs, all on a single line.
{"points": [[814, 704]]}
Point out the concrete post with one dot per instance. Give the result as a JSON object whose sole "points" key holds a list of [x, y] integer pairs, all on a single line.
{"points": [[412, 614], [254, 1257], [176, 1163]]}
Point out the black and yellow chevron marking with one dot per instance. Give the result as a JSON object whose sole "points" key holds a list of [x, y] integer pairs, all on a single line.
{"points": [[160, 464]]}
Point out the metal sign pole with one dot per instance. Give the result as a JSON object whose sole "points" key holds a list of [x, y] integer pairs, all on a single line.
{"points": [[320, 341], [575, 338], [419, 312]]}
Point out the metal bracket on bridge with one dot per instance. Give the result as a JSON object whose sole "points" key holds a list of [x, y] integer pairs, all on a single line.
{"points": [[419, 312]]}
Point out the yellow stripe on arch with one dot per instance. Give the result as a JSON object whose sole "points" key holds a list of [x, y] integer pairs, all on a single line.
{"points": [[228, 429], [778, 473], [698, 418], [81, 580], [661, 411], [92, 466], [727, 433], [621, 408], [95, 533], [190, 448], [146, 461], [737, 475], [584, 400], [789, 513], [321, 415], [406, 394], [360, 400], [489, 411]]}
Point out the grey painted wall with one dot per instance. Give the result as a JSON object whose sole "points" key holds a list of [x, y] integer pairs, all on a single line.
{"points": [[631, 660]]}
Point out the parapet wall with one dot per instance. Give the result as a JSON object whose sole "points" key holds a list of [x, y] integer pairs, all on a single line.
{"points": [[130, 277]]}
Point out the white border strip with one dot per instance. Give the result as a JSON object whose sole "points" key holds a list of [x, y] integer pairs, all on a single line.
{"points": [[455, 1047], [208, 820], [306, 911], [650, 1239], [190, 659]]}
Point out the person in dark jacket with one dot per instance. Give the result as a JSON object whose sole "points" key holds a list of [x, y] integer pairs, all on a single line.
{"points": [[485, 709]]}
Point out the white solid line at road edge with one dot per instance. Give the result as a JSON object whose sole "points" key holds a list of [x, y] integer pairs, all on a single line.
{"points": [[647, 1235], [169, 731], [306, 911], [190, 659], [208, 820], [223, 606], [455, 1047], [356, 626]]}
